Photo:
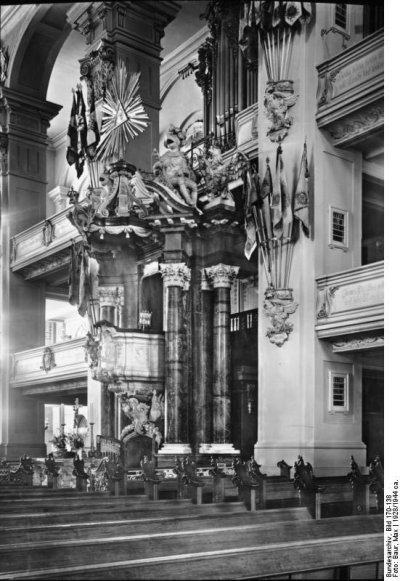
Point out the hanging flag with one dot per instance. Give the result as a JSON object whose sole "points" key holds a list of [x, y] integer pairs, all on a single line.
{"points": [[93, 132], [74, 272], [72, 149], [276, 199], [265, 197], [281, 203], [301, 198], [84, 284], [250, 226], [287, 213], [81, 128]]}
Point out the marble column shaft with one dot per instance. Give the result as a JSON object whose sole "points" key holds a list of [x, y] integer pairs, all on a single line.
{"points": [[203, 364], [176, 277], [221, 277], [107, 425]]}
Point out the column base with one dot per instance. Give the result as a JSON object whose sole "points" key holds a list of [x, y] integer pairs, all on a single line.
{"points": [[220, 449], [175, 449]]}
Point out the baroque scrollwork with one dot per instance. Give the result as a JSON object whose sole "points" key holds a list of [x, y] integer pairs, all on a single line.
{"points": [[204, 72], [92, 350], [357, 124], [358, 343], [97, 68], [278, 305], [4, 60], [213, 172]]}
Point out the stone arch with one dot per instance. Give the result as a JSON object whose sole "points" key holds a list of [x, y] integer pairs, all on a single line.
{"points": [[34, 57]]}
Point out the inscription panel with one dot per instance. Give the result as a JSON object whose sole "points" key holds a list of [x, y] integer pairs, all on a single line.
{"points": [[357, 296], [358, 72]]}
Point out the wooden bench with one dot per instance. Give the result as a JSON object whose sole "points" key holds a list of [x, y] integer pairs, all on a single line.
{"points": [[52, 471], [22, 476], [151, 478], [187, 476], [352, 490], [246, 482], [108, 472], [198, 552], [376, 475]]}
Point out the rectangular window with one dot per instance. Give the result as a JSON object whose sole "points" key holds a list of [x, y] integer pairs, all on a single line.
{"points": [[338, 392], [338, 228], [341, 15]]}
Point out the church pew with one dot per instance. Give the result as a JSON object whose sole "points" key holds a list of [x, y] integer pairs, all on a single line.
{"points": [[145, 509], [43, 491], [280, 561], [294, 536], [335, 496], [145, 525], [74, 502]]}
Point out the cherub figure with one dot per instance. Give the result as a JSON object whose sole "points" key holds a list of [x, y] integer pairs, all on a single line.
{"points": [[137, 412]]}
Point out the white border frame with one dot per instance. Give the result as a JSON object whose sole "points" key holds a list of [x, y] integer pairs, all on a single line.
{"points": [[334, 243], [346, 407]]}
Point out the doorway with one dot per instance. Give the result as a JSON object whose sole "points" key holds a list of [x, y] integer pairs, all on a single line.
{"points": [[373, 412]]}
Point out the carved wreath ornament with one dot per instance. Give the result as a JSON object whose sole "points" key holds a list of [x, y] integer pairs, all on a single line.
{"points": [[278, 305]]}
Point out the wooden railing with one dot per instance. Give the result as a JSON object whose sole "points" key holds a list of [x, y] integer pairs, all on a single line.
{"points": [[48, 364], [244, 321], [43, 244]]}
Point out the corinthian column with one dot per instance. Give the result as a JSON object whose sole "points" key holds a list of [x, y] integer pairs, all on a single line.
{"points": [[221, 277], [176, 278]]}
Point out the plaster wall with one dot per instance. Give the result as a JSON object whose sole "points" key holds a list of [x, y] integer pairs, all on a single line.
{"points": [[292, 400]]}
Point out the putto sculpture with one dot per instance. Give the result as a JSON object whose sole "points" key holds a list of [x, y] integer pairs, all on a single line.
{"points": [[172, 167]]}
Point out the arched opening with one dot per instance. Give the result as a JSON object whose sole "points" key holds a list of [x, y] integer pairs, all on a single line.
{"points": [[151, 300]]}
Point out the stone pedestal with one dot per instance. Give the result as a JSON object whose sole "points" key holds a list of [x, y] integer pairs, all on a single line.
{"points": [[176, 277]]}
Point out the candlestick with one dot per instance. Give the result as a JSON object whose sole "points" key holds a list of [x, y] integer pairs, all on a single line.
{"points": [[62, 416], [91, 439]]}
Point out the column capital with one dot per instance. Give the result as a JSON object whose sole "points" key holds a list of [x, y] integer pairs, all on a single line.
{"points": [[112, 296], [175, 274], [221, 275]]}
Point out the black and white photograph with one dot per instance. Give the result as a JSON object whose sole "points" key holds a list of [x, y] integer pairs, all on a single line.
{"points": [[192, 291]]}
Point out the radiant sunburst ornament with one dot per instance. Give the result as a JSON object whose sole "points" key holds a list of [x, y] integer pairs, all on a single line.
{"points": [[124, 116]]}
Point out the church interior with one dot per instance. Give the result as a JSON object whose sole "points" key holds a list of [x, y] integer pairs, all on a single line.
{"points": [[192, 295]]}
